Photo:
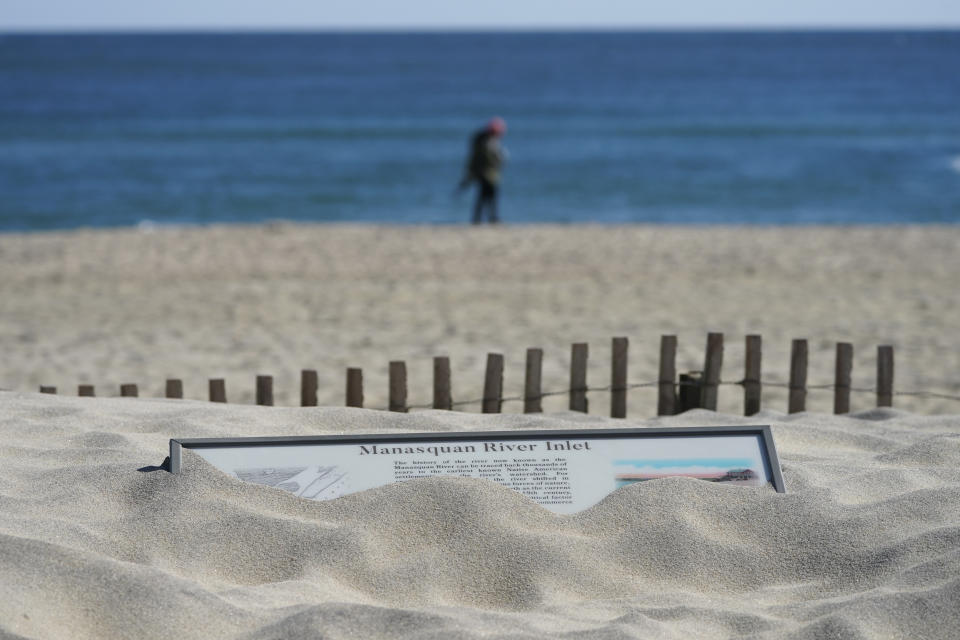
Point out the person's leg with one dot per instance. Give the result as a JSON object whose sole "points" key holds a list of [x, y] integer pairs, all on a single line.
{"points": [[478, 204], [493, 205], [485, 200]]}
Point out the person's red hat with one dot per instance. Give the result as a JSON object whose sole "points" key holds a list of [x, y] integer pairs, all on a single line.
{"points": [[497, 126]]}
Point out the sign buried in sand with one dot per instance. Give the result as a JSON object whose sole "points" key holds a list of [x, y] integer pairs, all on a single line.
{"points": [[565, 471]]}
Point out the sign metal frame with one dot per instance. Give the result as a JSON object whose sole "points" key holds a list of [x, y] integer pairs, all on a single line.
{"points": [[768, 448]]}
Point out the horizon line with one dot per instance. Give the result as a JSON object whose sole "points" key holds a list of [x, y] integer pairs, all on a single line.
{"points": [[482, 29]]}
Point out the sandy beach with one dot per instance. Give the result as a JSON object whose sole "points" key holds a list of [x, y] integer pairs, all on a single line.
{"points": [[140, 306], [97, 540]]}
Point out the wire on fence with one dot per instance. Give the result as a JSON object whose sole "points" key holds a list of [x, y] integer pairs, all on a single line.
{"points": [[544, 394], [919, 394], [637, 385]]}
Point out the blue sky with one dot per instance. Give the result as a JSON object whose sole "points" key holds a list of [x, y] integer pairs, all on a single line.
{"points": [[657, 463], [438, 14]]}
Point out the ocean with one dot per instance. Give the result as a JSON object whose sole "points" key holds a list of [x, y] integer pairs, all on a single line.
{"points": [[771, 128]]}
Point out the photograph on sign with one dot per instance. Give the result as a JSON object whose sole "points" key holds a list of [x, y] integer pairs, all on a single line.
{"points": [[565, 471], [714, 469]]}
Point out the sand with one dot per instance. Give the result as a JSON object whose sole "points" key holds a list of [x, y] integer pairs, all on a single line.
{"points": [[139, 306], [96, 541]]}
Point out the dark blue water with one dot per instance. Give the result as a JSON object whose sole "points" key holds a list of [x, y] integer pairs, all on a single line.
{"points": [[769, 128]]}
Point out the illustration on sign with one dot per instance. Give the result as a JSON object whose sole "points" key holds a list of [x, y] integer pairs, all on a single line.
{"points": [[315, 482]]}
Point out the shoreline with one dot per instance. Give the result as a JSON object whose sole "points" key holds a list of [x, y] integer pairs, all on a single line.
{"points": [[150, 226]]}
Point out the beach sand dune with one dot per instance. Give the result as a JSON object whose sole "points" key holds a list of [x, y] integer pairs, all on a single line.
{"points": [[97, 541], [116, 306]]}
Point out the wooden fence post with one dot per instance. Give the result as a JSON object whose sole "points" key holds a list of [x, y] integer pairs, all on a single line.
{"points": [[309, 383], [618, 378], [578, 377], [798, 377], [666, 387], [713, 361], [174, 388], [265, 390], [532, 398], [218, 390], [398, 386], [85, 390], [885, 376], [493, 384], [751, 376], [128, 391], [45, 389], [841, 386], [354, 387], [442, 392]]}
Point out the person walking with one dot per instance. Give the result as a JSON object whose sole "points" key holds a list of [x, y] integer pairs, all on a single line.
{"points": [[484, 166]]}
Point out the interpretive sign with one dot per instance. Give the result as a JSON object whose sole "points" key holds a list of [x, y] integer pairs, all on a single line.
{"points": [[563, 470]]}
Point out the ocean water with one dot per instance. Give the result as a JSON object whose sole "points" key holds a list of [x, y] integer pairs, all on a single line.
{"points": [[688, 128]]}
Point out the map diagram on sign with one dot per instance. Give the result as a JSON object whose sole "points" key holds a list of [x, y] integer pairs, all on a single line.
{"points": [[316, 482]]}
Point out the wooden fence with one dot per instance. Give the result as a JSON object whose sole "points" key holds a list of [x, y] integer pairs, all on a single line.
{"points": [[676, 393]]}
